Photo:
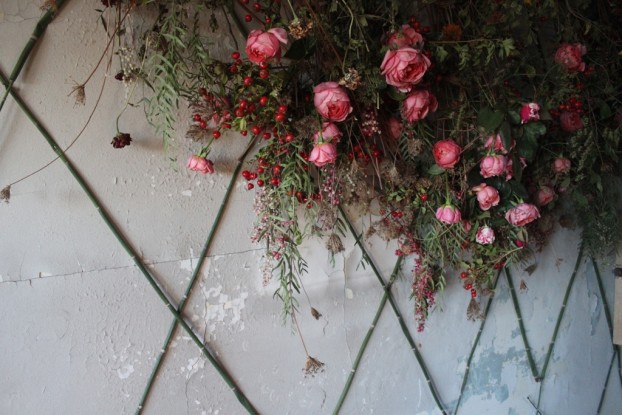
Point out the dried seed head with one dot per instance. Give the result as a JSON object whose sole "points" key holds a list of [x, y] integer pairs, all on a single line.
{"points": [[313, 366], [473, 312], [80, 95], [351, 80], [316, 314], [299, 29], [416, 147], [334, 244], [49, 5], [5, 194]]}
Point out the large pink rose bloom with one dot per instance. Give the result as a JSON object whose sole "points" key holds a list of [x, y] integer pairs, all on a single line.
{"points": [[570, 56], [485, 235], [330, 133], [265, 46], [493, 165], [570, 121], [407, 36], [323, 153], [545, 195], [331, 101], [446, 153], [417, 105], [404, 67], [448, 214], [487, 196], [200, 164], [561, 165], [522, 214]]}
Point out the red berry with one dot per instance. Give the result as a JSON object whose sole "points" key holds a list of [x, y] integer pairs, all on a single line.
{"points": [[226, 125], [233, 69], [276, 170], [244, 132], [256, 6], [264, 73], [424, 197], [203, 124], [279, 117], [268, 20], [251, 107], [468, 286], [463, 275], [275, 181], [263, 101], [248, 81], [250, 186], [252, 176], [267, 135], [216, 134], [235, 55], [196, 117], [289, 137], [248, 18], [263, 65], [473, 293], [282, 109], [256, 129], [520, 243], [239, 112]]}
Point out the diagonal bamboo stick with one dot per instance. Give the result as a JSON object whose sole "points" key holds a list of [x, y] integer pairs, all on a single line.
{"points": [[38, 32], [194, 277], [365, 342], [129, 249], [602, 395], [397, 313]]}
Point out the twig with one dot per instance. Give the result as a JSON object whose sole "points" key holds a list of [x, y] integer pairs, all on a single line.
{"points": [[602, 395], [130, 250]]}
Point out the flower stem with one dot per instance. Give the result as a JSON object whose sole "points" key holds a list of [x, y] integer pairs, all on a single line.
{"points": [[194, 277], [129, 249]]}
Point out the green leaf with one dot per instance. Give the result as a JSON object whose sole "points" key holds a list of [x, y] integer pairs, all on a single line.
{"points": [[534, 130], [435, 170], [396, 95], [506, 134], [489, 119]]}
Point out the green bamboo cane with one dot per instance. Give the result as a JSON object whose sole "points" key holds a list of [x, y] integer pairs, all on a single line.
{"points": [[521, 326], [602, 395], [370, 331], [397, 313], [39, 30], [465, 378], [601, 288], [194, 278], [129, 249]]}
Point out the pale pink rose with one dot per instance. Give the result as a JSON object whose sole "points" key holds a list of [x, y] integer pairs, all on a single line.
{"points": [[448, 214], [417, 105], [446, 153], [545, 195], [487, 196], [407, 36], [331, 101], [330, 132], [323, 153], [561, 165], [265, 46], [200, 164], [404, 67], [466, 225], [529, 112], [485, 235], [570, 121], [395, 128], [494, 165], [522, 214], [495, 142], [570, 57]]}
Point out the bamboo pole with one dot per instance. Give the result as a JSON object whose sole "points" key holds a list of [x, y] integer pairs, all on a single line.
{"points": [[129, 249]]}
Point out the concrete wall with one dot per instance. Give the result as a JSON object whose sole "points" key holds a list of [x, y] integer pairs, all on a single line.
{"points": [[81, 328]]}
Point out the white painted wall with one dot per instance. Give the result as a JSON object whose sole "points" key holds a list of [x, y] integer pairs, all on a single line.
{"points": [[80, 327]]}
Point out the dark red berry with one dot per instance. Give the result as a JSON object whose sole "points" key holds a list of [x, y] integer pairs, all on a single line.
{"points": [[250, 186], [248, 18], [235, 55], [264, 73], [196, 117]]}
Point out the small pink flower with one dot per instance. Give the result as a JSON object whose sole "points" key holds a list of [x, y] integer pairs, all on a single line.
{"points": [[331, 101], [395, 128], [487, 196], [323, 153], [330, 132], [404, 67], [496, 143], [407, 36], [200, 164], [265, 46], [529, 112], [561, 165], [417, 105], [570, 56], [446, 153], [545, 195], [522, 214], [570, 121], [485, 235], [448, 214], [494, 165], [466, 225]]}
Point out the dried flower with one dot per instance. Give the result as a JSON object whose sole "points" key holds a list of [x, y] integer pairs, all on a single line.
{"points": [[5, 194], [121, 140], [316, 314], [334, 244], [80, 95], [313, 366]]}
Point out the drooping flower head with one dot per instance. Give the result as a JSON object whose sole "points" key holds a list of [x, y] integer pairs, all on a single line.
{"points": [[331, 101]]}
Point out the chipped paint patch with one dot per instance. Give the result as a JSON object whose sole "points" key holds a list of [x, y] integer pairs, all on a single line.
{"points": [[125, 371], [221, 308]]}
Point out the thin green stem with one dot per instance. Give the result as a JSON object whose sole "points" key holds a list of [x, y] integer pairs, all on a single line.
{"points": [[129, 249], [397, 313], [467, 370], [37, 33], [194, 278], [602, 395], [365, 342], [521, 326]]}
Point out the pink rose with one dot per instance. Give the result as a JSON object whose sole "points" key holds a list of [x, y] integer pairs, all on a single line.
{"points": [[485, 235], [496, 143], [493, 165], [404, 67], [570, 121], [330, 133], [561, 165], [407, 36], [446, 153], [323, 153], [544, 196], [487, 196], [200, 164], [529, 112], [395, 128], [265, 46], [448, 214], [331, 101], [417, 105], [522, 214], [570, 57], [466, 225]]}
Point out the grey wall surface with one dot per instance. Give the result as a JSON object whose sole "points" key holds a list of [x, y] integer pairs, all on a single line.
{"points": [[80, 328]]}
